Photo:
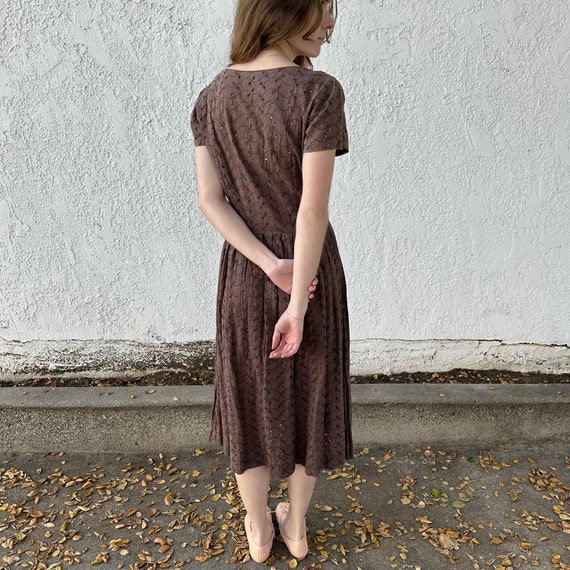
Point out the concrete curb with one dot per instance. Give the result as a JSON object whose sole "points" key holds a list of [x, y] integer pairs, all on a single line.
{"points": [[146, 419]]}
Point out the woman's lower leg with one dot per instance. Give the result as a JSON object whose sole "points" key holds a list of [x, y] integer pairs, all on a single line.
{"points": [[253, 487], [300, 489]]}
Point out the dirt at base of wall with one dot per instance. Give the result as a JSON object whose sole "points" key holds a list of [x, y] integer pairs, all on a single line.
{"points": [[206, 376]]}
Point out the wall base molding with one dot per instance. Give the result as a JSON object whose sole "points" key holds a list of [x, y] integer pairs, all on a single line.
{"points": [[99, 358], [113, 358], [380, 356]]}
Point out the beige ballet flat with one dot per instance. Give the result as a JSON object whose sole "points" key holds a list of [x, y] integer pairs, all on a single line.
{"points": [[258, 553], [298, 548]]}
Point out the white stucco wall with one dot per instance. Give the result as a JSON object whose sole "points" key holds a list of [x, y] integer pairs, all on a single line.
{"points": [[451, 210]]}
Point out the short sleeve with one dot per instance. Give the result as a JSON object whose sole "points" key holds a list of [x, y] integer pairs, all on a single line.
{"points": [[198, 120], [326, 123]]}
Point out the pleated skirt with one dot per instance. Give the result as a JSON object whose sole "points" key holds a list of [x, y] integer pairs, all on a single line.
{"points": [[281, 412]]}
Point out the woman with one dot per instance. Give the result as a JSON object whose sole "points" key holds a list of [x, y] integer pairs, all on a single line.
{"points": [[267, 130]]}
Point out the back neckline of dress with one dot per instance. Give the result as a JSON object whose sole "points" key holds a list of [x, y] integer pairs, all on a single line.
{"points": [[266, 69]]}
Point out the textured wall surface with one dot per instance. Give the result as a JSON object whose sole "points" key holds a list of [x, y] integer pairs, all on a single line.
{"points": [[451, 209]]}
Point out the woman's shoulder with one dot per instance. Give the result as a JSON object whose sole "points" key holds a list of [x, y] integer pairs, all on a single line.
{"points": [[320, 77], [210, 91], [322, 86], [210, 85], [322, 83]]}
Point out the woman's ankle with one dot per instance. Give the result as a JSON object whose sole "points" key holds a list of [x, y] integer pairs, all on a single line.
{"points": [[295, 529], [261, 528]]}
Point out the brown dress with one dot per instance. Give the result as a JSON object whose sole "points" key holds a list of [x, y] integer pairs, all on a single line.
{"points": [[276, 412]]}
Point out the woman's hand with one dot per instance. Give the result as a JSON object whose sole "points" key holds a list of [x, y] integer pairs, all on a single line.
{"points": [[287, 336], [282, 275]]}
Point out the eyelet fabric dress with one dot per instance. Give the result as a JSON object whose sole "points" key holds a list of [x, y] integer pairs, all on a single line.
{"points": [[257, 125]]}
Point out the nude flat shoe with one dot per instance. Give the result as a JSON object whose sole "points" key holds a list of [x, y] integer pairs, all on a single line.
{"points": [[298, 548], [258, 553]]}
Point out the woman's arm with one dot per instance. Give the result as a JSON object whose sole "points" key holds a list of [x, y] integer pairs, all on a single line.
{"points": [[224, 218], [312, 223], [227, 221]]}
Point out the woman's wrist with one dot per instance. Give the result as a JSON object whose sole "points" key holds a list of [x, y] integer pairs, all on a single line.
{"points": [[297, 312], [294, 316], [269, 264]]}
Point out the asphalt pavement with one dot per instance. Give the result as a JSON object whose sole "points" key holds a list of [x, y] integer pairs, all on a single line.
{"points": [[498, 506]]}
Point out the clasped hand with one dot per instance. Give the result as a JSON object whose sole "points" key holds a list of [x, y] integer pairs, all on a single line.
{"points": [[282, 276]]}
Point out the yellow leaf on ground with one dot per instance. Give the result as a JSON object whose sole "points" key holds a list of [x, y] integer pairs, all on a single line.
{"points": [[448, 542]]}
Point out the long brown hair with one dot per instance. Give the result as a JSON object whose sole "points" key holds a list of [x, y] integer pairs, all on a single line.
{"points": [[261, 24]]}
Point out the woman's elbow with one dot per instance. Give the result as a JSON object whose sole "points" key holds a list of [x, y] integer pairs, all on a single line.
{"points": [[202, 205], [319, 216], [205, 202]]}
